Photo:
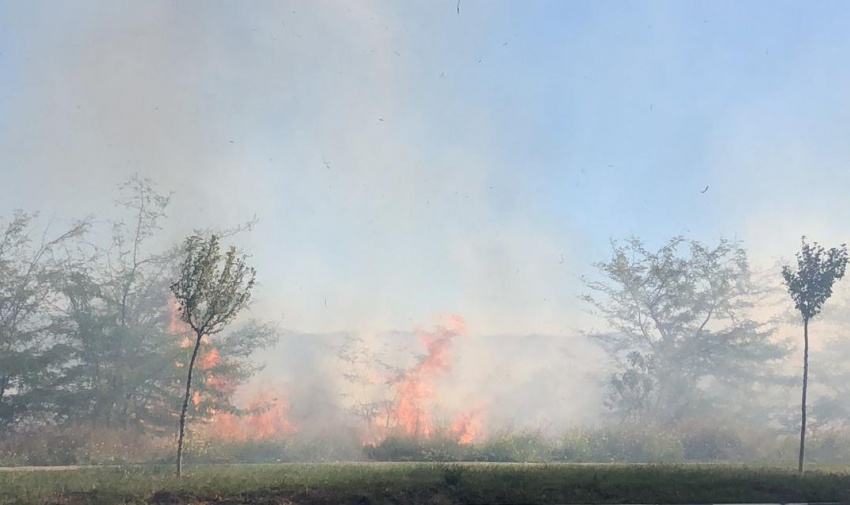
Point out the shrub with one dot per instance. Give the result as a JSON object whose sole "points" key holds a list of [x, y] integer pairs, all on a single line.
{"points": [[81, 446], [625, 443], [708, 443]]}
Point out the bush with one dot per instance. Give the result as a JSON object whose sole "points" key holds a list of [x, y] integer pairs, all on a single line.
{"points": [[291, 449], [831, 446], [398, 448], [624, 443], [534, 446], [697, 441], [525, 445], [709, 443], [81, 446]]}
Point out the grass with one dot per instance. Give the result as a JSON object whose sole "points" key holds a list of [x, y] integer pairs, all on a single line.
{"points": [[432, 483]]}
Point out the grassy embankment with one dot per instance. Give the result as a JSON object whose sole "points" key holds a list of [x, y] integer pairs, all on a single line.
{"points": [[365, 483]]}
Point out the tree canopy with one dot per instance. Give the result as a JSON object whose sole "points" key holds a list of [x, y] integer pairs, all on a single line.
{"points": [[679, 326]]}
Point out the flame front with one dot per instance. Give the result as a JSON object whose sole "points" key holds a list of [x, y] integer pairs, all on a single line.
{"points": [[176, 325], [409, 413], [209, 359], [268, 419], [467, 426]]}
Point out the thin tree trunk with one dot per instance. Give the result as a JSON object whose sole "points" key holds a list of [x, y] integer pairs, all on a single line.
{"points": [[805, 387], [185, 408]]}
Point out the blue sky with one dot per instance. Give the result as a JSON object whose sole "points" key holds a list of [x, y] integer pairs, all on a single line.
{"points": [[407, 161]]}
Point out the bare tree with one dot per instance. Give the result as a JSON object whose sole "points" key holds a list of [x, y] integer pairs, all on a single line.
{"points": [[810, 286], [211, 290]]}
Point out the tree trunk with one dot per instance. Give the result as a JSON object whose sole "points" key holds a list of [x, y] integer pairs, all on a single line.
{"points": [[805, 387], [185, 408]]}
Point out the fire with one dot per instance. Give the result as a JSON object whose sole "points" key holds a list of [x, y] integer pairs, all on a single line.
{"points": [[467, 426], [268, 419], [176, 325], [209, 359], [216, 382], [414, 387]]}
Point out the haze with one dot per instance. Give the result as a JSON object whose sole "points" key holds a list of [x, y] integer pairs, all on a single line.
{"points": [[413, 162], [406, 161]]}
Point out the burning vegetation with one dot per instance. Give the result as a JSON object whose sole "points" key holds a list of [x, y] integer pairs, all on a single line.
{"points": [[109, 338], [409, 413], [266, 418], [409, 394]]}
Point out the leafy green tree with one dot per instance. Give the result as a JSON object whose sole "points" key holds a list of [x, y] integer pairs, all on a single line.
{"points": [[114, 318], [678, 327], [211, 290], [31, 361], [810, 287], [125, 364], [87, 330]]}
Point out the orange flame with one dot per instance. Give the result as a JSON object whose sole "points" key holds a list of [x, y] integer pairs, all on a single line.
{"points": [[467, 426], [176, 325], [409, 413], [269, 421], [219, 383], [209, 359]]}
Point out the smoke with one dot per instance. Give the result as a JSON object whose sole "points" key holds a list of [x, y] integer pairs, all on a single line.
{"points": [[406, 162], [304, 116]]}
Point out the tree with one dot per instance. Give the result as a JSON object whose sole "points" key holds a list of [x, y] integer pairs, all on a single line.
{"points": [[828, 392], [31, 361], [810, 286], [117, 317], [372, 380], [211, 290], [114, 319], [678, 327]]}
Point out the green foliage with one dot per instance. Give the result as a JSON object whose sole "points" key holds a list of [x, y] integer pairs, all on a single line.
{"points": [[711, 443], [522, 445], [604, 445], [211, 288], [82, 445], [30, 360], [427, 483], [810, 286], [86, 345], [617, 444], [817, 270], [678, 318], [290, 449], [403, 448], [625, 443]]}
